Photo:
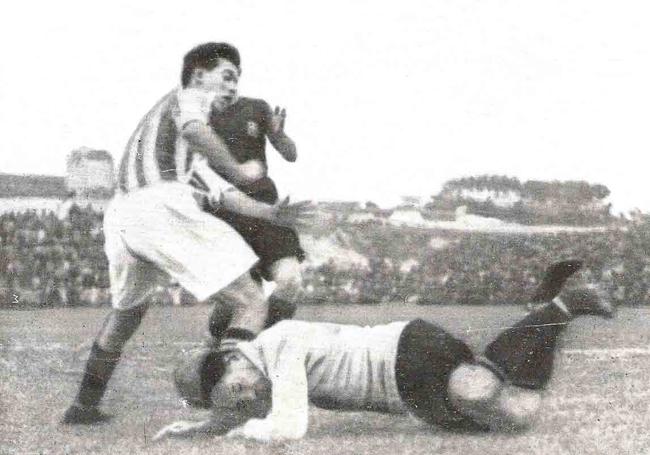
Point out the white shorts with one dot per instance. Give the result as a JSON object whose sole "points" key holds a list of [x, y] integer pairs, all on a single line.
{"points": [[159, 232]]}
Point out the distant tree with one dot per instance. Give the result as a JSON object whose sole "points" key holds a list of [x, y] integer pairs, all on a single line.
{"points": [[600, 191]]}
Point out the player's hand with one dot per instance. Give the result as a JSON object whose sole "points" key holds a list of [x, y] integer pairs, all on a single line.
{"points": [[299, 214], [278, 117], [176, 429]]}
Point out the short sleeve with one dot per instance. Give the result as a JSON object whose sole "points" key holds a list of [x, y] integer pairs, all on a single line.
{"points": [[192, 104]]}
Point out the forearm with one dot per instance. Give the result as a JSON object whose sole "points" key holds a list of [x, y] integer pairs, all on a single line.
{"points": [[186, 429], [236, 201], [289, 414], [284, 145], [207, 142]]}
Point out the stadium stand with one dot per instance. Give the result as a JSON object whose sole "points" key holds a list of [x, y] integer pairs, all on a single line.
{"points": [[47, 260]]}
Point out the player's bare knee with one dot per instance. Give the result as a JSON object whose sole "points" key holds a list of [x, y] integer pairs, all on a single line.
{"points": [[471, 384], [473, 390], [518, 407]]}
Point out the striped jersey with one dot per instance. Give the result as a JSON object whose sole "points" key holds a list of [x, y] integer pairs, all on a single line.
{"points": [[156, 151]]}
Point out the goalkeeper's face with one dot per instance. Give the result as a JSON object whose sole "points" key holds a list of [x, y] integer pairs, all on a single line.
{"points": [[243, 392]]}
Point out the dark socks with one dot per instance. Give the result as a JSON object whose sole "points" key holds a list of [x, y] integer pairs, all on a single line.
{"points": [[99, 370], [524, 353]]}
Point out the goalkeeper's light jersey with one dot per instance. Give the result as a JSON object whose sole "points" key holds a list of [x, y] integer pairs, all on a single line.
{"points": [[156, 152], [347, 367]]}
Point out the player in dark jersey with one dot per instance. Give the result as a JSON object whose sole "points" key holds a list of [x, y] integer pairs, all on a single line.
{"points": [[244, 127]]}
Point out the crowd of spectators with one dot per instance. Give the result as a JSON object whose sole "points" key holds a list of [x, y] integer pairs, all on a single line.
{"points": [[48, 260], [476, 268]]}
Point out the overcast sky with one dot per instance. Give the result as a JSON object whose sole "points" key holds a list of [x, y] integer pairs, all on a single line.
{"points": [[384, 98]]}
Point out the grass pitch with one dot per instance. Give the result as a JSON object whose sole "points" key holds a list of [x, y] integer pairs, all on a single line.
{"points": [[597, 403]]}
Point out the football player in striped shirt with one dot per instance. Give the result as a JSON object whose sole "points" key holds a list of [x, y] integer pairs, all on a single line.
{"points": [[260, 390], [156, 228]]}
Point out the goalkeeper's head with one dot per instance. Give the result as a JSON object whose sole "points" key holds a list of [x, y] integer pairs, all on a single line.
{"points": [[226, 381]]}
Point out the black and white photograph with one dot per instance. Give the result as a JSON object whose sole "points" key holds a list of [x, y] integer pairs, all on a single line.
{"points": [[359, 227]]}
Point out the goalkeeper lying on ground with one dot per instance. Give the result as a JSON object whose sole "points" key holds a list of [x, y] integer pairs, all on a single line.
{"points": [[260, 389]]}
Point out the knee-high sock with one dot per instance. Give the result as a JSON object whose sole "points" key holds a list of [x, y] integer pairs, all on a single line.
{"points": [[99, 369], [525, 353]]}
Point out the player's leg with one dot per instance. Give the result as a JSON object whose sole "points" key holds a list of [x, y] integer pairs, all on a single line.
{"points": [[131, 280], [477, 392], [104, 356], [249, 303], [442, 383], [173, 236], [504, 392], [279, 251], [210, 259], [240, 309], [286, 272], [525, 353], [426, 357]]}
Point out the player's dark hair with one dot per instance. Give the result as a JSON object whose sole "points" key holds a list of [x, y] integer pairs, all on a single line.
{"points": [[212, 370], [206, 56]]}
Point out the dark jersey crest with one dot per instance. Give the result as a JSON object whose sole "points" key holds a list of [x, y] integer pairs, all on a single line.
{"points": [[243, 127]]}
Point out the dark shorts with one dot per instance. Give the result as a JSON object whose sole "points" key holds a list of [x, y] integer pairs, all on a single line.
{"points": [[426, 357], [268, 241]]}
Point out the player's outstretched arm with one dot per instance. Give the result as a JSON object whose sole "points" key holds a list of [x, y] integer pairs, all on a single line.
{"points": [[185, 429], [221, 194], [207, 142], [284, 213], [289, 415], [278, 138]]}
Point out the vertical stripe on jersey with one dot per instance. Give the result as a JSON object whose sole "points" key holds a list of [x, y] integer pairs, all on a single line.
{"points": [[125, 166], [180, 159], [148, 150], [165, 146], [139, 165], [122, 172], [132, 180]]}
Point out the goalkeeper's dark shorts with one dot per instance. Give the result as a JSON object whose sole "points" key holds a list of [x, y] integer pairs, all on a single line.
{"points": [[269, 241], [426, 357]]}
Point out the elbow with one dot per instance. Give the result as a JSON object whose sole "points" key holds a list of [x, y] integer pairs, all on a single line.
{"points": [[192, 132], [291, 153]]}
